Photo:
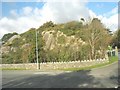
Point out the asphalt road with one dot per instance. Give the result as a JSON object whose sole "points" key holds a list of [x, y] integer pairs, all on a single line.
{"points": [[104, 77]]}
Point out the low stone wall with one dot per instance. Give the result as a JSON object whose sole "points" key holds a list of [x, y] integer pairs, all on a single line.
{"points": [[20, 66], [57, 65]]}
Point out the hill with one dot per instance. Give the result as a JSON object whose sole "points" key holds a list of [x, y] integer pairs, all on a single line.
{"points": [[57, 42]]}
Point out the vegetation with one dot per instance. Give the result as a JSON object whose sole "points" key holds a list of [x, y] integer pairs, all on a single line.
{"points": [[61, 39], [116, 39], [111, 60], [89, 41], [6, 37]]}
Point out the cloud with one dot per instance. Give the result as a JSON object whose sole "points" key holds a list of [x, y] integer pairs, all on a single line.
{"points": [[92, 14], [28, 17], [111, 22], [110, 19], [64, 12], [112, 12], [13, 13], [27, 10], [58, 12]]}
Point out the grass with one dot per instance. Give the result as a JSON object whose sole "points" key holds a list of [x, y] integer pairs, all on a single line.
{"points": [[111, 60]]}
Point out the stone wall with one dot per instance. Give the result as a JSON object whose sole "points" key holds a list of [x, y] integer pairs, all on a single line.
{"points": [[57, 65]]}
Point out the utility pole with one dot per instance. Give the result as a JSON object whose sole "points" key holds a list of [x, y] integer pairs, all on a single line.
{"points": [[37, 51]]}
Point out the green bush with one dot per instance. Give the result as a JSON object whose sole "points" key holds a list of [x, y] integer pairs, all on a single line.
{"points": [[61, 39]]}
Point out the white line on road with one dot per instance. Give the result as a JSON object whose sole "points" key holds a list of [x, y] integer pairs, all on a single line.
{"points": [[8, 85], [51, 73], [9, 81], [18, 84]]}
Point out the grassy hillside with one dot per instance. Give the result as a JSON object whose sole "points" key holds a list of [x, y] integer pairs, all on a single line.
{"points": [[58, 42]]}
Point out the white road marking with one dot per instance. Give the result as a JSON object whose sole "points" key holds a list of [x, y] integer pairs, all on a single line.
{"points": [[116, 86], [8, 85], [83, 85], [10, 81], [18, 84], [29, 83], [46, 73], [52, 73]]}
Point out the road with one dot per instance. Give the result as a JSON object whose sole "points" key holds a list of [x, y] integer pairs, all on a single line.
{"points": [[104, 77]]}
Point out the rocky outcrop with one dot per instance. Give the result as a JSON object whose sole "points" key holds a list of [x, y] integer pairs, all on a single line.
{"points": [[12, 38], [25, 45], [51, 40], [5, 49]]}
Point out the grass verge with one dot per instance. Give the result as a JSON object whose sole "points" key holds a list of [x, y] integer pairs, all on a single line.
{"points": [[111, 60]]}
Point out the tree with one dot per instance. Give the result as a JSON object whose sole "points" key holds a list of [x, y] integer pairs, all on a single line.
{"points": [[118, 35], [96, 36], [47, 25], [116, 39]]}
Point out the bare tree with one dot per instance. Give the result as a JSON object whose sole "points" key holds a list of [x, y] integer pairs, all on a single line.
{"points": [[96, 36]]}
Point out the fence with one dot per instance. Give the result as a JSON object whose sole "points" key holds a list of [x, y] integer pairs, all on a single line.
{"points": [[56, 65]]}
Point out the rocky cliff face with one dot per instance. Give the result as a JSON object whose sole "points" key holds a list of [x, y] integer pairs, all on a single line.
{"points": [[18, 45], [6, 48], [52, 39], [57, 38]]}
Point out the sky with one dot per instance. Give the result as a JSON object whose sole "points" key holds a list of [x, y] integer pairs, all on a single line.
{"points": [[21, 16]]}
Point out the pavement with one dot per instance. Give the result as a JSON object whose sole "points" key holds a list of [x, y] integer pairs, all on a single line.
{"points": [[103, 77]]}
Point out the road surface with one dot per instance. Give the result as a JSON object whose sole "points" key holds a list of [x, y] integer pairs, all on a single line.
{"points": [[103, 77]]}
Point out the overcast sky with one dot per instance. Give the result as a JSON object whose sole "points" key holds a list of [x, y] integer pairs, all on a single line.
{"points": [[20, 16]]}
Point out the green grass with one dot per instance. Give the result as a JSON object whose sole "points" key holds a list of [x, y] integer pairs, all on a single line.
{"points": [[111, 60]]}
